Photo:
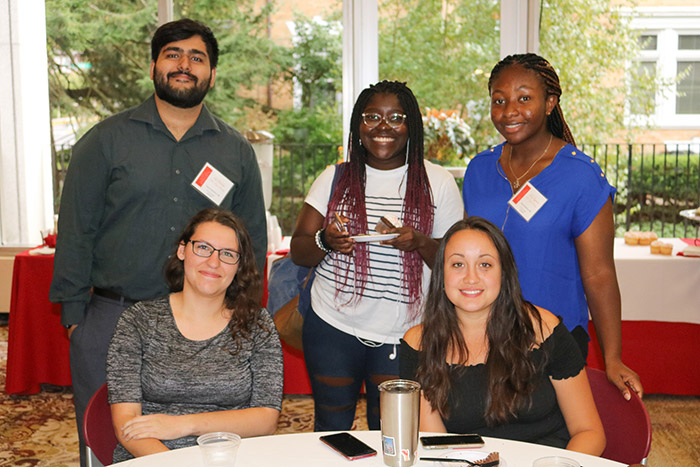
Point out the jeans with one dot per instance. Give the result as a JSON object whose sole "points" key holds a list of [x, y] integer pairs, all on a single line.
{"points": [[338, 363]]}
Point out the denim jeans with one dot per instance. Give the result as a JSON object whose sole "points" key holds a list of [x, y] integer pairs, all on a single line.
{"points": [[338, 363]]}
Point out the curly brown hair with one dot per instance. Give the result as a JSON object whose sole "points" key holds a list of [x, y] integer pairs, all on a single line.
{"points": [[243, 296]]}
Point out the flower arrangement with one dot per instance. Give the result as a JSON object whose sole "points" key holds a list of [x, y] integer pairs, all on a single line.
{"points": [[447, 137]]}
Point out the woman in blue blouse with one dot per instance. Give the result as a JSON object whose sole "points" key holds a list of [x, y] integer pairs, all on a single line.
{"points": [[554, 205]]}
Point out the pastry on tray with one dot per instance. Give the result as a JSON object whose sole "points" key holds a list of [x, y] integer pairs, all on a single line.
{"points": [[640, 238], [632, 238], [387, 223], [666, 249], [657, 247], [647, 237]]}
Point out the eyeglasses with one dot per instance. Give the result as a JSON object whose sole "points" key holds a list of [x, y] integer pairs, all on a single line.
{"points": [[205, 250], [373, 120]]}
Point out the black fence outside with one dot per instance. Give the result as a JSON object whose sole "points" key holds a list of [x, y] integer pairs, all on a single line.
{"points": [[654, 182]]}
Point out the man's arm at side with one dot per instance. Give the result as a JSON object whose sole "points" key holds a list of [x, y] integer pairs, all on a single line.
{"points": [[82, 205]]}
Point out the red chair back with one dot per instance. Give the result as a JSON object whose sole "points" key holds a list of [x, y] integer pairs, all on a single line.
{"points": [[626, 423], [97, 427]]}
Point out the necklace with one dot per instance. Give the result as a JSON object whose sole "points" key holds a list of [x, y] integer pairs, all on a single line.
{"points": [[516, 184]]}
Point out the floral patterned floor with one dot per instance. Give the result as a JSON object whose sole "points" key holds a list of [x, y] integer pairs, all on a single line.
{"points": [[36, 430]]}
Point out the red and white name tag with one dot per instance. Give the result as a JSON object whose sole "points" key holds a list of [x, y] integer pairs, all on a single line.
{"points": [[527, 201], [212, 183]]}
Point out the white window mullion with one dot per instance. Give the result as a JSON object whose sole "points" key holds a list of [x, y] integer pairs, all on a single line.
{"points": [[360, 54]]}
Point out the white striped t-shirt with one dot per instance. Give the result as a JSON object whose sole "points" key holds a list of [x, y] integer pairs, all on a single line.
{"points": [[381, 315]]}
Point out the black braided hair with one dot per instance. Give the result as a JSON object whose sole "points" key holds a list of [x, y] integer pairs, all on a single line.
{"points": [[349, 196], [555, 121]]}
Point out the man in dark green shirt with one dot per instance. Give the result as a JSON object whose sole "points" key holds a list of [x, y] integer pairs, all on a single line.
{"points": [[134, 181]]}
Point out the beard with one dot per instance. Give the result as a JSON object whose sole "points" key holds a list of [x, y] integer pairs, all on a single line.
{"points": [[184, 98]]}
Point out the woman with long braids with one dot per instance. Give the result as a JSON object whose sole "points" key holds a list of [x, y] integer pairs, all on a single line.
{"points": [[490, 362], [366, 294], [554, 205]]}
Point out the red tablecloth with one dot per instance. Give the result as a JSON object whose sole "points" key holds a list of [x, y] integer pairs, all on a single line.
{"points": [[666, 356], [296, 378], [37, 346]]}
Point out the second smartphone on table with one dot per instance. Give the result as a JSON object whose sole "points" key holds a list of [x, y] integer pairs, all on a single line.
{"points": [[452, 441]]}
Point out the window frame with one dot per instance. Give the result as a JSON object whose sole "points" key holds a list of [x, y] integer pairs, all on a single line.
{"points": [[667, 23]]}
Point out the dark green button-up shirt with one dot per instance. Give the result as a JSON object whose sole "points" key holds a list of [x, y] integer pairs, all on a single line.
{"points": [[128, 195]]}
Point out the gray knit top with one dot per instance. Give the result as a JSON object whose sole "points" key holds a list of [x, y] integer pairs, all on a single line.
{"points": [[150, 362]]}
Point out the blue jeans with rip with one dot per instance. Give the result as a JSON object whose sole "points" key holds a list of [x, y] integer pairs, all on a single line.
{"points": [[338, 363]]}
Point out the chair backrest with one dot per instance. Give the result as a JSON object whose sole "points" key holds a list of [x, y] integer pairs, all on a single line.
{"points": [[626, 423], [97, 427]]}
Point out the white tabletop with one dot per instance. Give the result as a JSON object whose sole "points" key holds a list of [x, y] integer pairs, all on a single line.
{"points": [[658, 287], [305, 450]]}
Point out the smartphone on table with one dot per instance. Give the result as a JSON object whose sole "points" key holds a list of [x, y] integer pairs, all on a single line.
{"points": [[349, 446], [452, 441]]}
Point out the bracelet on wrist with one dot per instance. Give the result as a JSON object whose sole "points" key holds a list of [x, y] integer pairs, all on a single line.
{"points": [[321, 241]]}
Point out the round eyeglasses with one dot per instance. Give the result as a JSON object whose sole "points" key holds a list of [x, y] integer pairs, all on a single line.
{"points": [[205, 250], [373, 120]]}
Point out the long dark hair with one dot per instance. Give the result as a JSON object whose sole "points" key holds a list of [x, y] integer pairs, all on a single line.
{"points": [[243, 296], [349, 196], [555, 121], [509, 331]]}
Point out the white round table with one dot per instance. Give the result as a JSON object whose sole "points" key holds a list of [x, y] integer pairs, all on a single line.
{"points": [[305, 450]]}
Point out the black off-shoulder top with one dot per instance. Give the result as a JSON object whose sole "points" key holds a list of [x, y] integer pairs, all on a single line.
{"points": [[541, 422]]}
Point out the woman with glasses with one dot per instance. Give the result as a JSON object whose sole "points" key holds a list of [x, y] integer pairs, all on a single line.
{"points": [[367, 290], [206, 357]]}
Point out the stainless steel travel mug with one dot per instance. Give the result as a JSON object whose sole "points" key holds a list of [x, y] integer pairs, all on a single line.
{"points": [[399, 406]]}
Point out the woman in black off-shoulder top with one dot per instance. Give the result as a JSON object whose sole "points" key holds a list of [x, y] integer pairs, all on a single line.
{"points": [[490, 363]]}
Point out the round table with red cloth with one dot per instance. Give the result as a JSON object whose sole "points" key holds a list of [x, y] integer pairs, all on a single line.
{"points": [[37, 346]]}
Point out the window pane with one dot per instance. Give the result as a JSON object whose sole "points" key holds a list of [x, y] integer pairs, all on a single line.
{"points": [[689, 89], [648, 41], [689, 42], [444, 50]]}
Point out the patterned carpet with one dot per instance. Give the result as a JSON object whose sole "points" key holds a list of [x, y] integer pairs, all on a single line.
{"points": [[39, 430]]}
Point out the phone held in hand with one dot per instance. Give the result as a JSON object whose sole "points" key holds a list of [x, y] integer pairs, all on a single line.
{"points": [[452, 441], [349, 446]]}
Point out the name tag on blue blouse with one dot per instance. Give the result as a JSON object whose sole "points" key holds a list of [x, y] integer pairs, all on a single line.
{"points": [[212, 183], [527, 201]]}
